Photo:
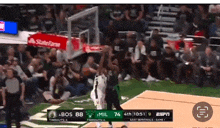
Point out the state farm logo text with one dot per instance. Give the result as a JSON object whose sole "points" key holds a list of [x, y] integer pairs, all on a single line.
{"points": [[44, 43]]}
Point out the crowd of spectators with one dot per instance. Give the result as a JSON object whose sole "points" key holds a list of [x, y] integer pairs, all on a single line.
{"points": [[201, 20], [46, 71], [47, 18], [114, 18]]}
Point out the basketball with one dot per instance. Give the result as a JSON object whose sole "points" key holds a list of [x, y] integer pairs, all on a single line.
{"points": [[86, 71]]}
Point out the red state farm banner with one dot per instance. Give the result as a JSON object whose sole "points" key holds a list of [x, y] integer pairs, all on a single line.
{"points": [[92, 48], [52, 41], [47, 40]]}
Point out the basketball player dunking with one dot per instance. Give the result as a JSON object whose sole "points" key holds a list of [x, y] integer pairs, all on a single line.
{"points": [[112, 89]]}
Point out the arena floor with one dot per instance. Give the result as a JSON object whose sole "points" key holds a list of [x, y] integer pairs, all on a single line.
{"points": [[181, 104]]}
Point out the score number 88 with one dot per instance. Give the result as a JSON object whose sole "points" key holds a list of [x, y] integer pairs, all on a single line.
{"points": [[79, 114]]}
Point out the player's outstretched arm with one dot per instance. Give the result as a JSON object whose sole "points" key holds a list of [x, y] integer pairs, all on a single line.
{"points": [[105, 50], [110, 65]]}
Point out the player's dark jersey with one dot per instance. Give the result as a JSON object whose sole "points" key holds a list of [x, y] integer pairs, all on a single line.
{"points": [[112, 79], [154, 53]]}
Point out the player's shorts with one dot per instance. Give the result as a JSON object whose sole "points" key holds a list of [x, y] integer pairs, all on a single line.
{"points": [[101, 96]]}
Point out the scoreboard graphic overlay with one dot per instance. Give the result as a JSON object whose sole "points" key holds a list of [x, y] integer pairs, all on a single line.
{"points": [[110, 115]]}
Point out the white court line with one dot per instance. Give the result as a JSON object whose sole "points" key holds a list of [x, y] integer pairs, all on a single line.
{"points": [[38, 115], [78, 108], [41, 119], [134, 98], [53, 107]]}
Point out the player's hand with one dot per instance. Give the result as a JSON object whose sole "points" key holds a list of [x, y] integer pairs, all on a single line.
{"points": [[4, 103]]}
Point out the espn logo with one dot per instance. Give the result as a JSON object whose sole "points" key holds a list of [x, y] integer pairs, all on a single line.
{"points": [[162, 114], [2, 26]]}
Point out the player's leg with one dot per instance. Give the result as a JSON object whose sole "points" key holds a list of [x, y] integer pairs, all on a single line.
{"points": [[116, 101], [100, 105], [109, 102]]}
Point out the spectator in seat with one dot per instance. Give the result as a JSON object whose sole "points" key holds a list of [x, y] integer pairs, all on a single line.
{"points": [[18, 69], [78, 81], [214, 9], [157, 37], [185, 12], [215, 28], [50, 8], [33, 69], [61, 23], [57, 8], [2, 77], [133, 12], [48, 23], [193, 27], [133, 15], [104, 17], [9, 57], [188, 68], [204, 18], [208, 63], [21, 55], [117, 13], [112, 31], [117, 16], [53, 59], [71, 10], [154, 57], [119, 49], [32, 51], [2, 74], [181, 25], [92, 67], [139, 59], [57, 93], [129, 52], [169, 63], [34, 24], [62, 56]]}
